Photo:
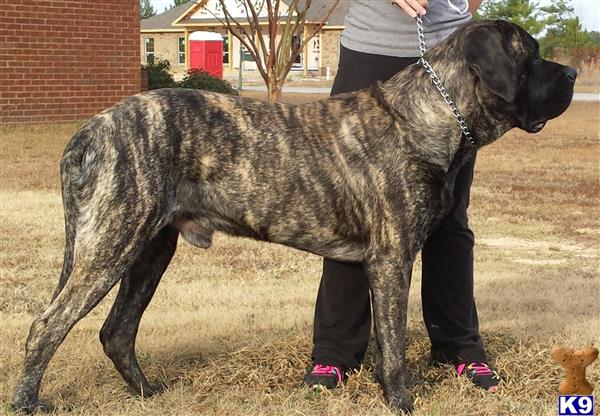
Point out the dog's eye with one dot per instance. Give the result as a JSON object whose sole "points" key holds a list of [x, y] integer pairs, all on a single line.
{"points": [[537, 59]]}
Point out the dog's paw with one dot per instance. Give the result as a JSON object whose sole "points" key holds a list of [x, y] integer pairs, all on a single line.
{"points": [[400, 400], [150, 390], [30, 407]]}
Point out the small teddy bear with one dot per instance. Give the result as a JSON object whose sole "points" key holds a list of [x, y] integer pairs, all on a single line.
{"points": [[574, 363]]}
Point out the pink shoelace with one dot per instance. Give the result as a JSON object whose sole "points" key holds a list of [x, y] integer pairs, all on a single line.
{"points": [[481, 369], [325, 370]]}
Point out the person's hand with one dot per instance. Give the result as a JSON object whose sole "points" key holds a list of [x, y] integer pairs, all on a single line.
{"points": [[412, 7]]}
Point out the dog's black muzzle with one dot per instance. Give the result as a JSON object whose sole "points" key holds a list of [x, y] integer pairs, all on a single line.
{"points": [[549, 92]]}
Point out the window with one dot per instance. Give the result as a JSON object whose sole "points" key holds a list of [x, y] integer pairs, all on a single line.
{"points": [[296, 43], [226, 48], [181, 49], [149, 45]]}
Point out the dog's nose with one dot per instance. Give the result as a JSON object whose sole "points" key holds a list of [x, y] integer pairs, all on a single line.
{"points": [[571, 73]]}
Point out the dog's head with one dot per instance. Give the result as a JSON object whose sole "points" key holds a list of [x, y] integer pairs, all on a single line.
{"points": [[512, 79]]}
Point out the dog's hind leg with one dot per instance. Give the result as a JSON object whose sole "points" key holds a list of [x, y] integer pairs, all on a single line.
{"points": [[137, 288], [102, 257], [87, 285]]}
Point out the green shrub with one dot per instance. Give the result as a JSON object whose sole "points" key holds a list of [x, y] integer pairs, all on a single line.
{"points": [[201, 80], [159, 74]]}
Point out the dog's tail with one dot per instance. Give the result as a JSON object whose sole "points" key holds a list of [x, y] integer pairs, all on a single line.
{"points": [[77, 183]]}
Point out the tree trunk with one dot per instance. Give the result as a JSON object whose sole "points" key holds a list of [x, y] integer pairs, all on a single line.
{"points": [[274, 91]]}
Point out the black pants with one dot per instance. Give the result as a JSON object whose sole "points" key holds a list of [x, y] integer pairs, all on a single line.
{"points": [[342, 325]]}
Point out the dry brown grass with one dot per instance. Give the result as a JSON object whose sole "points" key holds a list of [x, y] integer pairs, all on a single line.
{"points": [[587, 62], [229, 328], [588, 79]]}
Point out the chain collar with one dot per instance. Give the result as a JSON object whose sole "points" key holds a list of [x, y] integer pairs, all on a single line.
{"points": [[437, 82]]}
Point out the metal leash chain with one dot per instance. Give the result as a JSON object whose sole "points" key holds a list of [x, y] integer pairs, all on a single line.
{"points": [[440, 86]]}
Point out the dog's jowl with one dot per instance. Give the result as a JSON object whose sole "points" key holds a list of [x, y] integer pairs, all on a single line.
{"points": [[362, 177]]}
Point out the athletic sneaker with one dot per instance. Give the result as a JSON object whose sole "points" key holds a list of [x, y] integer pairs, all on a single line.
{"points": [[480, 374], [324, 377]]}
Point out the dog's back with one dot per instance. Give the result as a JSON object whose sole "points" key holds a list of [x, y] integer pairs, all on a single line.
{"points": [[202, 162]]}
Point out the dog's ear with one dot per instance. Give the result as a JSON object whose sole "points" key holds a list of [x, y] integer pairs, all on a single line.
{"points": [[488, 59]]}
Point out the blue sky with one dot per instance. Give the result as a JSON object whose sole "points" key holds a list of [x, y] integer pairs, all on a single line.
{"points": [[587, 10]]}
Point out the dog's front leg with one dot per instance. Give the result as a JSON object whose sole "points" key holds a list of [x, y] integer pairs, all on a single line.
{"points": [[389, 276]]}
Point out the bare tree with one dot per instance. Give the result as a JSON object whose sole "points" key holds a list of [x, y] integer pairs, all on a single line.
{"points": [[275, 56]]}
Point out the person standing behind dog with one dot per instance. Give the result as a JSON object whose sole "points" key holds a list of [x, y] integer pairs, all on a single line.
{"points": [[379, 40]]}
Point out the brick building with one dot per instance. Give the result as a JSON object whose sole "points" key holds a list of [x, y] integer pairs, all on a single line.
{"points": [[165, 35], [66, 60]]}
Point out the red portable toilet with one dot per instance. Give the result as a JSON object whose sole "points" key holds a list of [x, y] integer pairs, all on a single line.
{"points": [[206, 52]]}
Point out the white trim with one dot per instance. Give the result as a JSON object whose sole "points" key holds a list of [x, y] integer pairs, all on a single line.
{"points": [[184, 14], [161, 30], [210, 36]]}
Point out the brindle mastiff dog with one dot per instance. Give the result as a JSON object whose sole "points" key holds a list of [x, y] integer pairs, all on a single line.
{"points": [[360, 177]]}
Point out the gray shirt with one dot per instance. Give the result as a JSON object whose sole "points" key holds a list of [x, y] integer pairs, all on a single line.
{"points": [[382, 28]]}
